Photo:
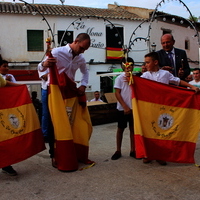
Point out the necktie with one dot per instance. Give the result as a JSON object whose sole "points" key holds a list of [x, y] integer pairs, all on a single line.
{"points": [[170, 55]]}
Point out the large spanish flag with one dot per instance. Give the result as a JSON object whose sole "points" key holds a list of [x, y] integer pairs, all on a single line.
{"points": [[166, 120], [20, 133], [71, 121]]}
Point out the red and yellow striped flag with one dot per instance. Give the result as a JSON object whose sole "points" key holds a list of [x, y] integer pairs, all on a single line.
{"points": [[114, 53], [166, 120], [71, 121], [20, 133]]}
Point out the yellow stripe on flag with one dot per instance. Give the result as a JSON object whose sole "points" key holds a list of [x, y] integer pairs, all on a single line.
{"points": [[111, 53], [18, 121], [59, 115], [166, 122]]}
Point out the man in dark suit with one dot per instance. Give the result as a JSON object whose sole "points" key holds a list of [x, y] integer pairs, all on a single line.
{"points": [[173, 59]]}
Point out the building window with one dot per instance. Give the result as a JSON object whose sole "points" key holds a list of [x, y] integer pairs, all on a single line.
{"points": [[65, 37], [166, 31], [187, 44], [35, 40], [114, 43]]}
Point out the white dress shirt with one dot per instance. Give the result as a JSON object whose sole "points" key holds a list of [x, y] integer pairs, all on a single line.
{"points": [[44, 83], [12, 77], [67, 64], [162, 76]]}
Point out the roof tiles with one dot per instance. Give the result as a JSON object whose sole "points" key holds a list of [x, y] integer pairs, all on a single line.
{"points": [[64, 10]]}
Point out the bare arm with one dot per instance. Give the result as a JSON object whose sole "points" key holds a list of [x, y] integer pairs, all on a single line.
{"points": [[185, 84], [8, 83]]}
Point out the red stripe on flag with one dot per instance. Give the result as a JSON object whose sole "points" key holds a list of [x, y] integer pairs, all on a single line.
{"points": [[114, 58], [69, 161], [114, 49], [20, 93], [20, 148], [176, 96], [167, 150], [82, 153]]}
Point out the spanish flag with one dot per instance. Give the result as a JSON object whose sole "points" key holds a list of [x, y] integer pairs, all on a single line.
{"points": [[166, 120], [20, 133], [71, 121], [114, 53]]}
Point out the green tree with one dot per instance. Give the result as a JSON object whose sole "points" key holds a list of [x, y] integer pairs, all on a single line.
{"points": [[193, 18]]}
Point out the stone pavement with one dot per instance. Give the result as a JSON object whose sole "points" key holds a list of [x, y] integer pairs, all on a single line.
{"points": [[123, 179]]}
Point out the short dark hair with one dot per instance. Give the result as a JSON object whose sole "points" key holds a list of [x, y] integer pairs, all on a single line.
{"points": [[124, 60], [82, 36], [3, 62], [195, 69], [153, 55], [129, 59]]}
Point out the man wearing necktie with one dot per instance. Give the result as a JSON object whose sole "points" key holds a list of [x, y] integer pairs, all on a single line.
{"points": [[173, 59]]}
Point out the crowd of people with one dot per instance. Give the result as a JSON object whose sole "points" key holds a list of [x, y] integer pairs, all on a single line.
{"points": [[168, 65]]}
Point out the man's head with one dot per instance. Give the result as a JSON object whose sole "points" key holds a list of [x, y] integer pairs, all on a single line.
{"points": [[80, 44], [143, 67], [4, 67], [181, 73], [167, 42], [189, 78], [34, 94], [151, 60], [127, 64], [196, 74], [96, 95]]}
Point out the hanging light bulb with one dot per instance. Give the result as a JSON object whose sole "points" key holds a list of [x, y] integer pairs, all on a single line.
{"points": [[34, 13]]}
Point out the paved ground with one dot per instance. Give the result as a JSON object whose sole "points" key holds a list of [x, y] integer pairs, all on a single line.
{"points": [[123, 179]]}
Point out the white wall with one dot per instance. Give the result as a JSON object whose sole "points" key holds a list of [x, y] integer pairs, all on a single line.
{"points": [[13, 40]]}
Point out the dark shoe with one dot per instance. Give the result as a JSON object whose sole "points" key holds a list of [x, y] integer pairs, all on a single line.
{"points": [[116, 155], [46, 139], [146, 161], [54, 164], [9, 170], [161, 162], [133, 154]]}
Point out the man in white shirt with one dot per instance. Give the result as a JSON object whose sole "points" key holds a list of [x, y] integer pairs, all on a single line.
{"points": [[96, 97], [196, 77], [68, 59]]}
